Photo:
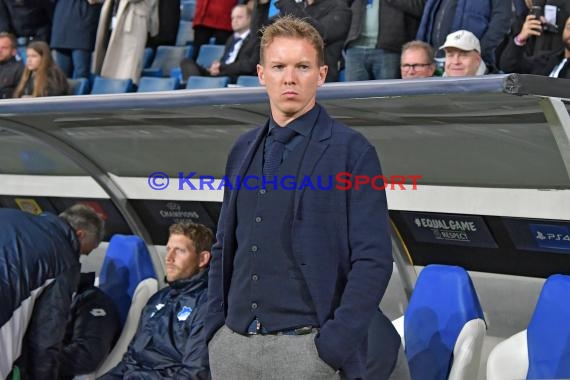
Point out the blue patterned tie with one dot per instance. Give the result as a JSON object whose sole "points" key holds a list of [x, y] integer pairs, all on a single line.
{"points": [[273, 158], [231, 49]]}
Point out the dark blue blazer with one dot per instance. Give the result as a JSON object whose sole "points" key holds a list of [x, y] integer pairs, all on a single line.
{"points": [[341, 241]]}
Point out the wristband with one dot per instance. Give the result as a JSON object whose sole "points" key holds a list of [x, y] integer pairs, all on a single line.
{"points": [[518, 42]]}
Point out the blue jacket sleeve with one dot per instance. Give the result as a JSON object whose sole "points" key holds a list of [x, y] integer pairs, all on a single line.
{"points": [[498, 28], [371, 267]]}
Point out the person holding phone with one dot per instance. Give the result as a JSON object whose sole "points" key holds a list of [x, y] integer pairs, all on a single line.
{"points": [[535, 32], [553, 63]]}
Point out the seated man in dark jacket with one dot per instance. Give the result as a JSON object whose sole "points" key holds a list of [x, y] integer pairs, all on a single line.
{"points": [[170, 341], [10, 69], [555, 64], [93, 328], [240, 56]]}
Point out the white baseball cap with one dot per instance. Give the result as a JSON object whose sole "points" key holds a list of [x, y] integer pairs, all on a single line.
{"points": [[463, 40]]}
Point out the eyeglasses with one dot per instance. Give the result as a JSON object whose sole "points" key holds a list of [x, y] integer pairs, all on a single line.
{"points": [[415, 66]]}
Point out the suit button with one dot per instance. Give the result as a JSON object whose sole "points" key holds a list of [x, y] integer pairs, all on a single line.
{"points": [[254, 248], [262, 191], [254, 277], [258, 219], [254, 305]]}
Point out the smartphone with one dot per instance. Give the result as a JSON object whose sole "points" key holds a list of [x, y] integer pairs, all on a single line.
{"points": [[536, 11]]}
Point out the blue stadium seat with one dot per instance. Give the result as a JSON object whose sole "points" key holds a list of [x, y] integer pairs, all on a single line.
{"points": [[79, 86], [127, 262], [176, 73], [208, 54], [185, 33], [197, 82], [187, 9], [111, 86], [443, 326], [167, 58], [150, 84], [543, 350], [148, 57], [248, 81]]}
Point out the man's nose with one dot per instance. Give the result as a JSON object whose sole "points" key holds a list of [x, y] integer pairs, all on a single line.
{"points": [[169, 256], [289, 75]]}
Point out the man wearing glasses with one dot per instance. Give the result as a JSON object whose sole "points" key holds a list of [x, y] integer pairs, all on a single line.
{"points": [[417, 60]]}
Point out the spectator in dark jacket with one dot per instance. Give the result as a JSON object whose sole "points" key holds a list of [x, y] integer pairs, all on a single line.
{"points": [[170, 341], [241, 53], [10, 69], [73, 35], [555, 63], [41, 254], [488, 20], [537, 35], [377, 33], [91, 331], [41, 77], [29, 19], [168, 22], [331, 18]]}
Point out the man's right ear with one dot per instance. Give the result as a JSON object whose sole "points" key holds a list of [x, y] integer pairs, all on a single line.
{"points": [[204, 259]]}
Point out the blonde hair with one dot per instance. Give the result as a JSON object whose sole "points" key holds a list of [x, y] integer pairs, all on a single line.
{"points": [[199, 234], [292, 27]]}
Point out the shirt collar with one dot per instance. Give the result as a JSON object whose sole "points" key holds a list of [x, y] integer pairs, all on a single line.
{"points": [[243, 36], [303, 124]]}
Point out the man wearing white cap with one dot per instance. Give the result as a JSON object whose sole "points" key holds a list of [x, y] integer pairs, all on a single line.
{"points": [[463, 55]]}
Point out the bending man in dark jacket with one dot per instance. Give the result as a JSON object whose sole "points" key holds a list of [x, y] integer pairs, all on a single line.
{"points": [[170, 342], [39, 271], [91, 332]]}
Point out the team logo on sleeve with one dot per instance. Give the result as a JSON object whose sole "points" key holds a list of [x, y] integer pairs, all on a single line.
{"points": [[158, 306], [184, 313]]}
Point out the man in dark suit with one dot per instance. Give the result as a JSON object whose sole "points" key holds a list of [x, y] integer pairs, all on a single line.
{"points": [[240, 55], [297, 274], [555, 64]]}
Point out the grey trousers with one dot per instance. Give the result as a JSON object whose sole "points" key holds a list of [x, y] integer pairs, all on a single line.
{"points": [[234, 356]]}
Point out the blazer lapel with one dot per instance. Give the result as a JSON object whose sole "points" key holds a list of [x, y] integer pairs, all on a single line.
{"points": [[317, 146]]}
